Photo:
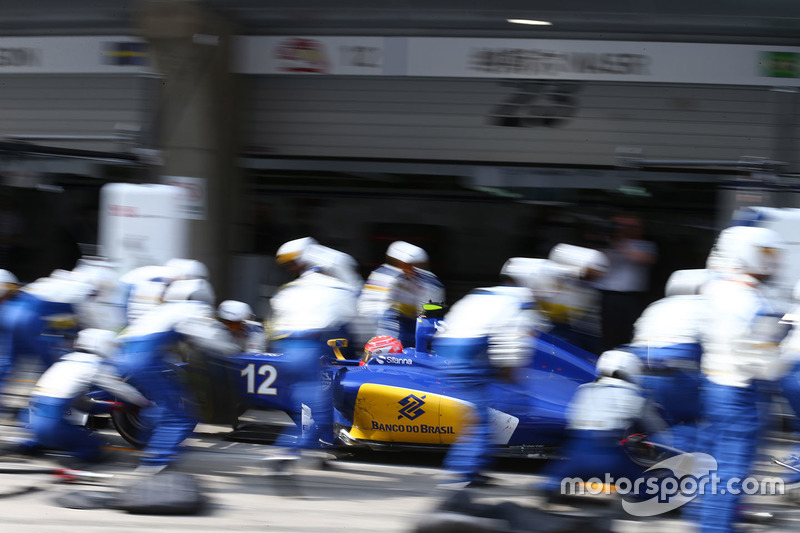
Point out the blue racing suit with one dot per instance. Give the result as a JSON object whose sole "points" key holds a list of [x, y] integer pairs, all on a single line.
{"points": [[392, 300], [140, 290], [486, 334], [146, 358], [667, 340], [252, 338], [738, 350], [599, 416], [40, 320], [306, 313], [53, 398]]}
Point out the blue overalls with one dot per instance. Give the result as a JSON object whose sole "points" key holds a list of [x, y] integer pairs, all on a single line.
{"points": [[471, 373], [733, 425], [307, 355], [733, 445], [395, 324], [671, 378], [144, 361], [32, 326], [590, 454], [425, 330], [52, 430]]}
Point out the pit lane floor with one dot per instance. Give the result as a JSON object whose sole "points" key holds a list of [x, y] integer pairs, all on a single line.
{"points": [[364, 492]]}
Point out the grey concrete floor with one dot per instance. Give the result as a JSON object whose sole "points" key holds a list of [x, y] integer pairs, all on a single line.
{"points": [[386, 492], [360, 493]]}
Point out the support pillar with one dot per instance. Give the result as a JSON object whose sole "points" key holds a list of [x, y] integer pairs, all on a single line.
{"points": [[195, 123]]}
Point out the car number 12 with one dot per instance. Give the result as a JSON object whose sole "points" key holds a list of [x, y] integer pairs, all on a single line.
{"points": [[264, 388]]}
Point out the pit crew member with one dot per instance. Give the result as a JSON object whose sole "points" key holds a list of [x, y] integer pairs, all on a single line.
{"points": [[739, 351], [247, 333], [487, 334], [395, 292], [146, 357], [306, 314], [600, 415], [667, 340], [59, 392]]}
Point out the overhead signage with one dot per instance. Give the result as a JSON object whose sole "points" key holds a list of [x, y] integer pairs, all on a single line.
{"points": [[73, 55], [362, 56], [521, 59], [723, 64], [514, 59]]}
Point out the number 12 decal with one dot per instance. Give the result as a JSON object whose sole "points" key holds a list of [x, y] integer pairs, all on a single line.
{"points": [[250, 372]]}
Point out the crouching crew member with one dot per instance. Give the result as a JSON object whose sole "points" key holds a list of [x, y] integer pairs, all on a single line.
{"points": [[61, 387], [599, 417]]}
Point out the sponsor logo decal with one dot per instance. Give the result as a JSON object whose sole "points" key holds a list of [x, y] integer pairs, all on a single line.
{"points": [[302, 55], [408, 428], [780, 64], [20, 57], [391, 360], [125, 54], [411, 407]]}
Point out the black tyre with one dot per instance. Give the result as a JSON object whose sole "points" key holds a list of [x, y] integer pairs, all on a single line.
{"points": [[131, 426]]}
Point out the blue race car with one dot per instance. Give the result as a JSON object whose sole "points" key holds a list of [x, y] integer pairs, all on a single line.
{"points": [[393, 401]]}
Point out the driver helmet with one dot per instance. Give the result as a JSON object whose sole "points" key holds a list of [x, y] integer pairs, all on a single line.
{"points": [[381, 345]]}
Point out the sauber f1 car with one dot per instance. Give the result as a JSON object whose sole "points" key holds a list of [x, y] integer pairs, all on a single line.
{"points": [[393, 401]]}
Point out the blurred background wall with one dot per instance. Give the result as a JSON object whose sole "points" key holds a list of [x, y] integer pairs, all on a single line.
{"points": [[355, 124]]}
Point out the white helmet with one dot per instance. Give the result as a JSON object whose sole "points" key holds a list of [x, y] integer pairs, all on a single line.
{"points": [[6, 277], [319, 257], [583, 259], [540, 275], [626, 365], [687, 282], [234, 311], [8, 282], [101, 277], [187, 268], [67, 275], [97, 341], [190, 290], [293, 250], [405, 252], [88, 263], [749, 249]]}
